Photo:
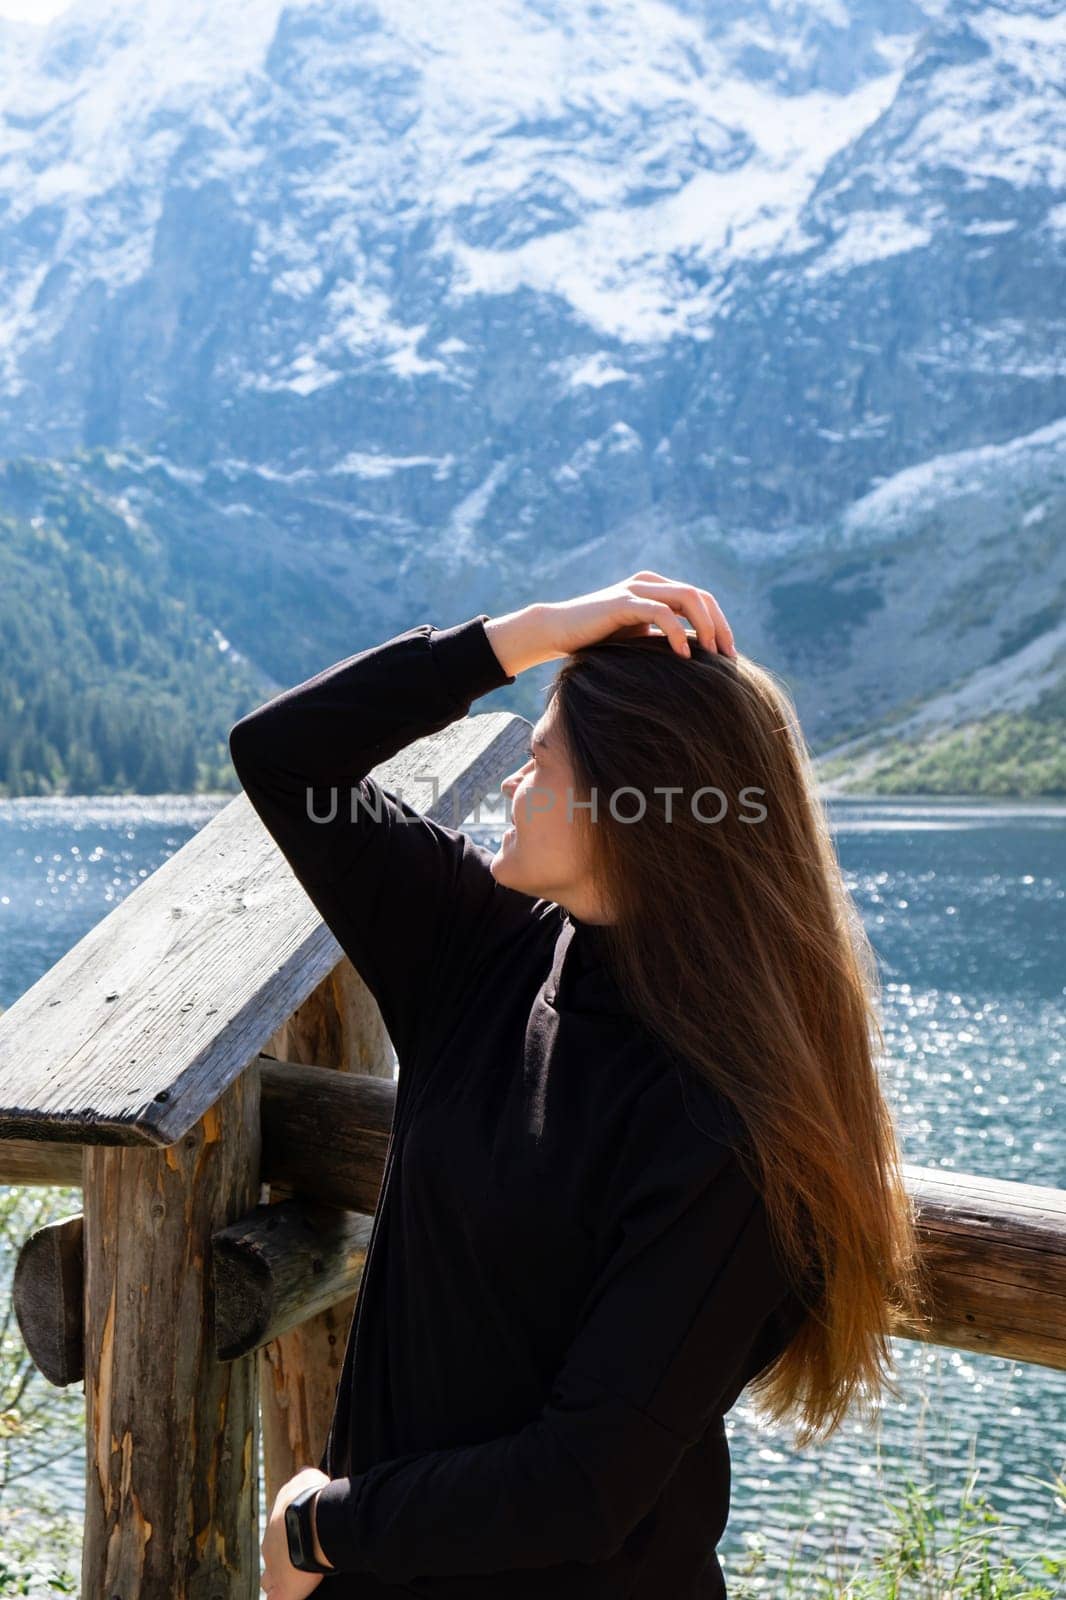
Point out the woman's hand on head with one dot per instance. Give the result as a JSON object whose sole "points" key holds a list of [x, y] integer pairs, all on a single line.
{"points": [[637, 605]]}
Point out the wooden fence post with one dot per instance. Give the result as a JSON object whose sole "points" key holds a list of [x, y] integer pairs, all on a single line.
{"points": [[172, 1438]]}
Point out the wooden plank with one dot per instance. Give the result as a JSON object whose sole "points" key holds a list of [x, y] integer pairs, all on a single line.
{"points": [[134, 1034], [303, 1110]]}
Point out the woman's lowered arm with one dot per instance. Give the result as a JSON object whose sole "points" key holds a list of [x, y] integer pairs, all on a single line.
{"points": [[687, 1286]]}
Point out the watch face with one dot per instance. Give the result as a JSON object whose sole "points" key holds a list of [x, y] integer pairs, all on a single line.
{"points": [[292, 1528]]}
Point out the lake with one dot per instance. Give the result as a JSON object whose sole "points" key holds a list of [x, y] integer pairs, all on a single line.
{"points": [[964, 903]]}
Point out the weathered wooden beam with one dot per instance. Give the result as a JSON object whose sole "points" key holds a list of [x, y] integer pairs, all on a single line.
{"points": [[304, 1111], [303, 1107], [172, 1434], [40, 1163], [134, 1034], [996, 1251], [326, 1132], [281, 1266], [278, 1267]]}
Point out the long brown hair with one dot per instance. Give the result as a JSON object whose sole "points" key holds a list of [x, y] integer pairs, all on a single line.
{"points": [[760, 974]]}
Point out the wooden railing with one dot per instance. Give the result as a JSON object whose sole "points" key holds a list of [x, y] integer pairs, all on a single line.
{"points": [[214, 1074]]}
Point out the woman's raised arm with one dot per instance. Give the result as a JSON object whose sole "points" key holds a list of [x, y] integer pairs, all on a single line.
{"points": [[410, 900]]}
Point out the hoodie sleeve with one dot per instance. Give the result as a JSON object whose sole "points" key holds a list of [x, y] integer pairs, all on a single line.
{"points": [[687, 1289], [407, 898]]}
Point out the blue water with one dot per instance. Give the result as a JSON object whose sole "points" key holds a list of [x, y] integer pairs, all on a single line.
{"points": [[964, 904]]}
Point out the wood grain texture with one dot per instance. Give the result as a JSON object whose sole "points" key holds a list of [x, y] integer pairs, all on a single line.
{"points": [[46, 1293], [303, 1108], [40, 1163], [281, 1267], [996, 1252], [172, 1442]]}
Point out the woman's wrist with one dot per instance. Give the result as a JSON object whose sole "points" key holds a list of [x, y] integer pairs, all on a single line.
{"points": [[521, 639], [320, 1554]]}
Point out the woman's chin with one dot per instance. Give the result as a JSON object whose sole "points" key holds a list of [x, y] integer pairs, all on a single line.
{"points": [[498, 864]]}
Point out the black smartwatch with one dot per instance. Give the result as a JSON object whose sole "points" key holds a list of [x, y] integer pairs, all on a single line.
{"points": [[299, 1532]]}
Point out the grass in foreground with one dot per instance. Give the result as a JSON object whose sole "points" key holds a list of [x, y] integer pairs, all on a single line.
{"points": [[932, 1553]]}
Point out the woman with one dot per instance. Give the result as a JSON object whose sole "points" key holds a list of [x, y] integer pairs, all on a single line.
{"points": [[640, 1157]]}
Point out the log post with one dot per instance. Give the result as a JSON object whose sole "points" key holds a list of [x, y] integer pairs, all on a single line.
{"points": [[338, 1026], [171, 1502]]}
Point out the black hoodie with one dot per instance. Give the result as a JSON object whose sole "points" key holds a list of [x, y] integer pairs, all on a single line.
{"points": [[569, 1278]]}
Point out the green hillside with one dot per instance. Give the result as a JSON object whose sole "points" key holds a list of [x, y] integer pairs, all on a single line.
{"points": [[111, 682], [1016, 754]]}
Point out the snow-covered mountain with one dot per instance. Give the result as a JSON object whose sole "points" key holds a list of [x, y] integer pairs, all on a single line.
{"points": [[422, 308]]}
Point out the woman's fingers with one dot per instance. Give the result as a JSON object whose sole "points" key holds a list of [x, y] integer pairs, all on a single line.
{"points": [[710, 630], [685, 598], [723, 631], [666, 618], [717, 635]]}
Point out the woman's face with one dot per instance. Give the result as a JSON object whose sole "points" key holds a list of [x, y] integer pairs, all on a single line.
{"points": [[542, 853]]}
